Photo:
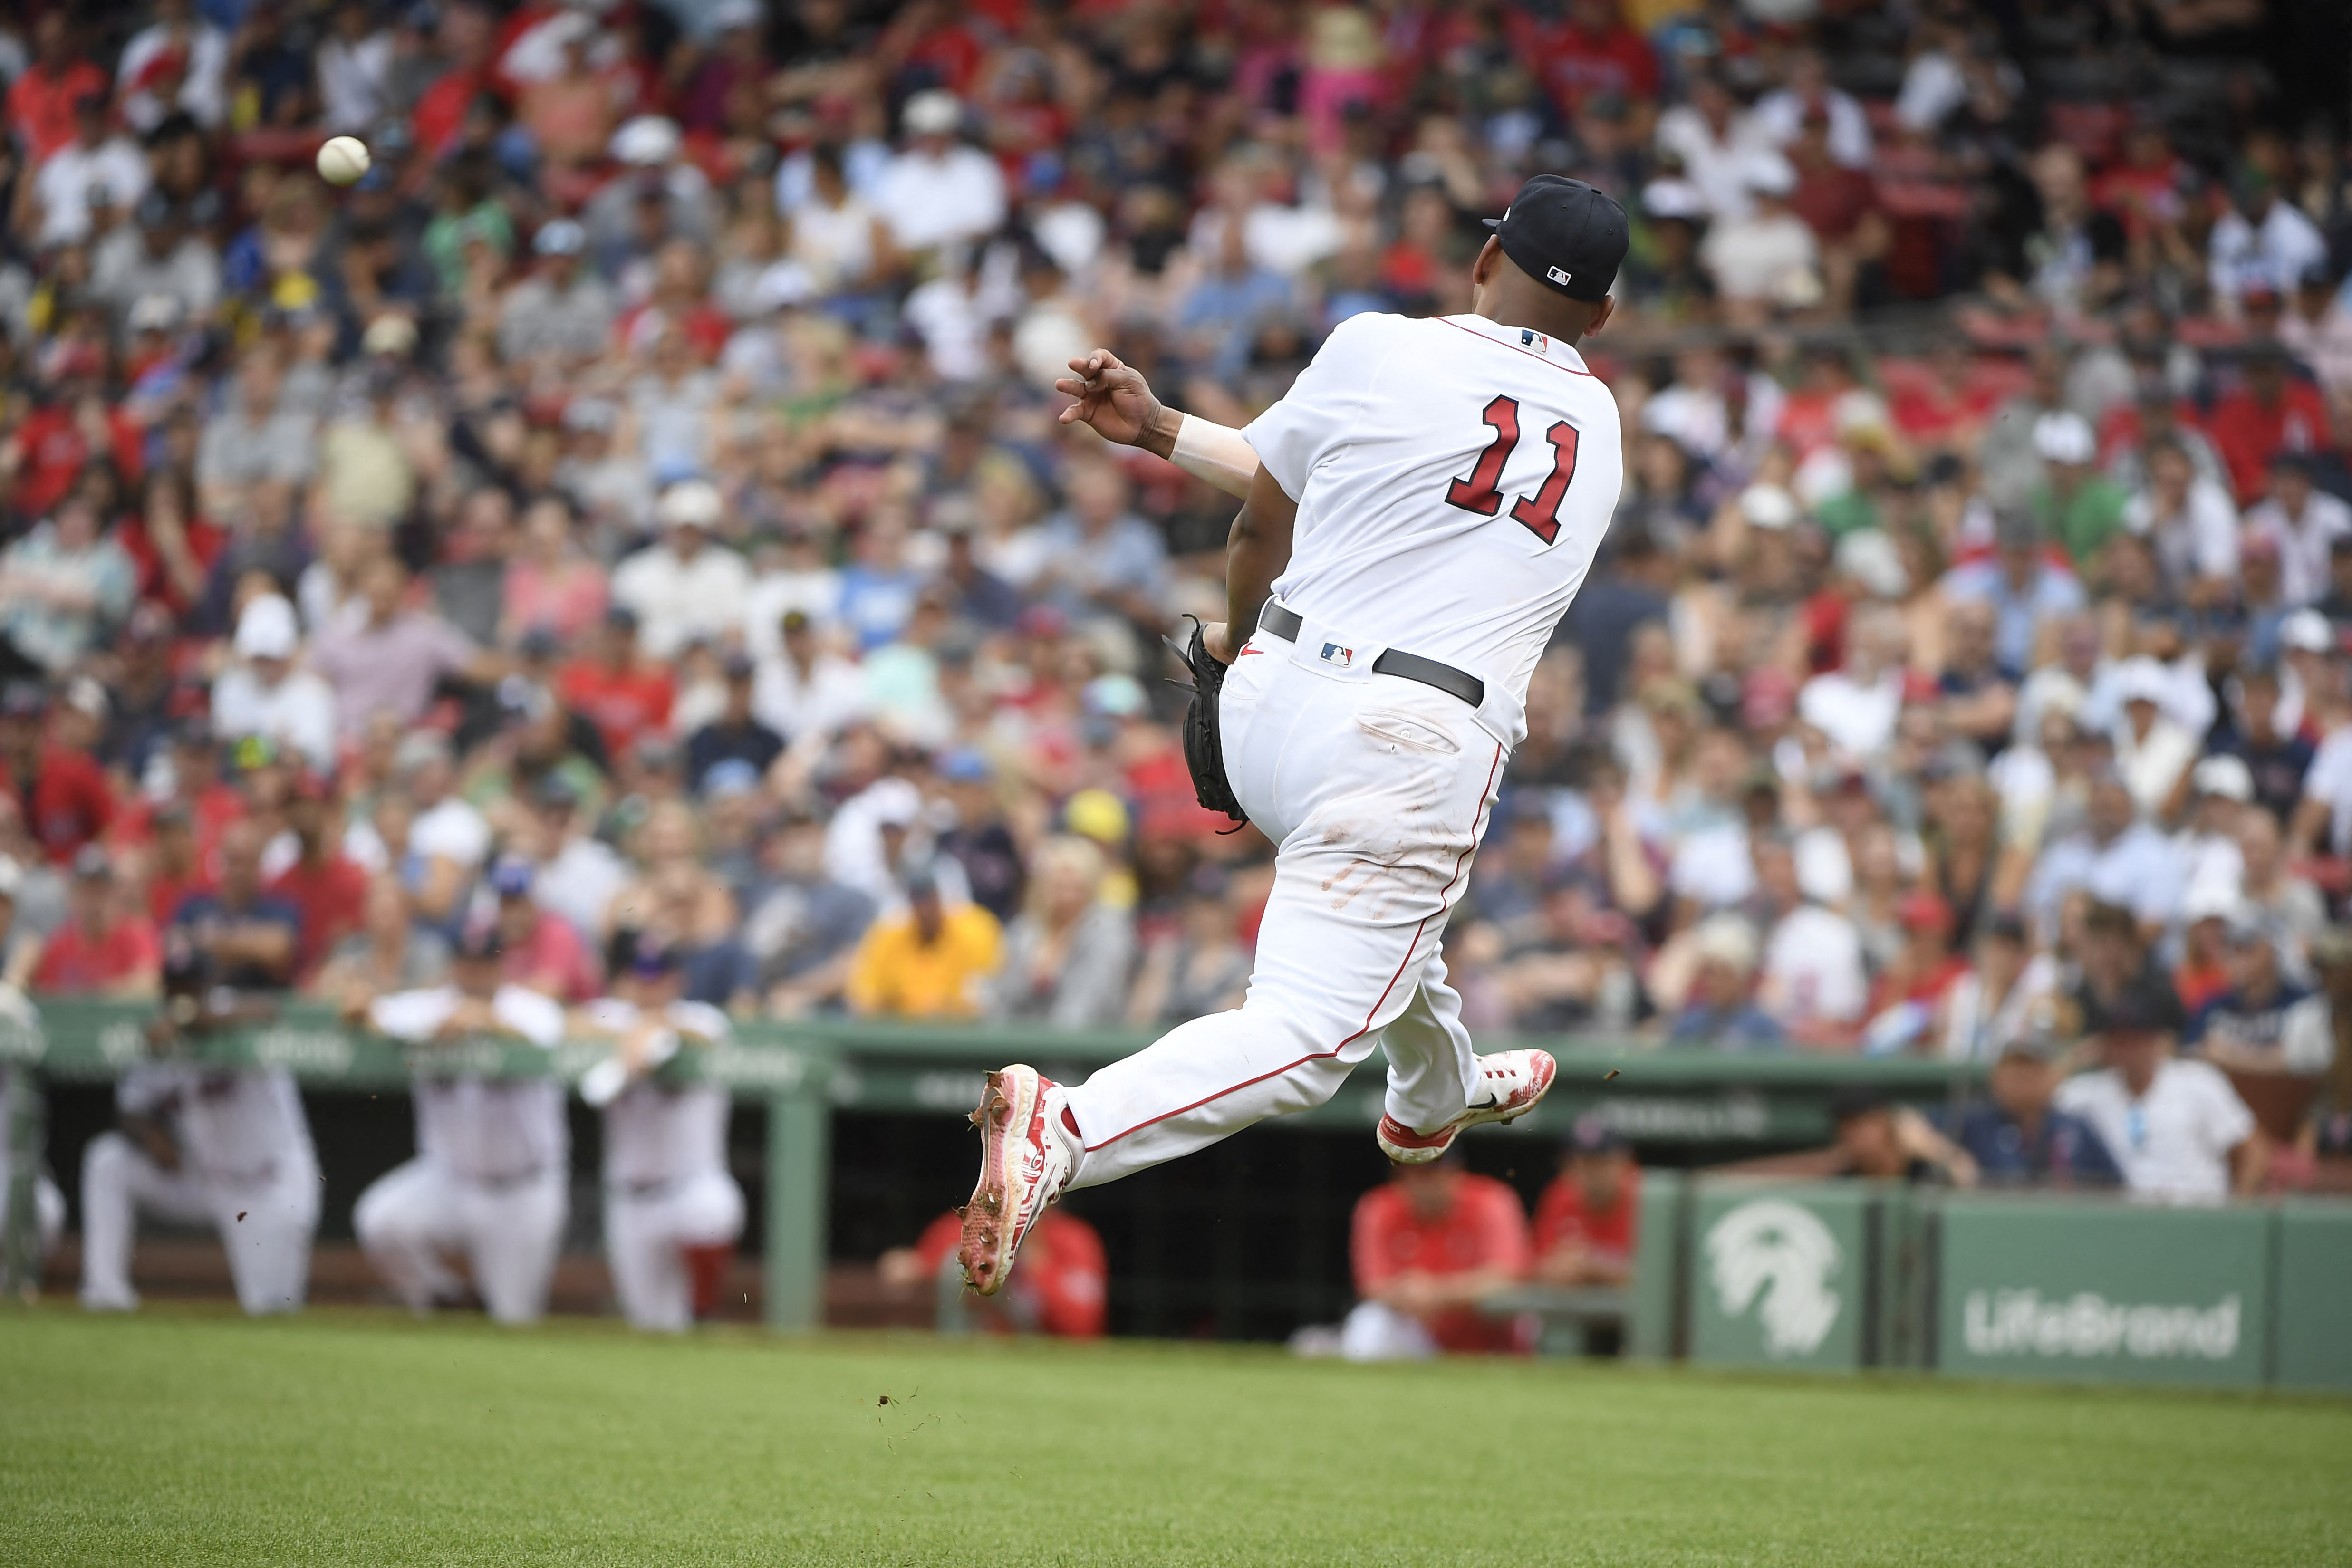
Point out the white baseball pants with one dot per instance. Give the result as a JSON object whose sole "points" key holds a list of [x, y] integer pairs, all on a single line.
{"points": [[1376, 788], [265, 1226], [413, 1214], [645, 1236]]}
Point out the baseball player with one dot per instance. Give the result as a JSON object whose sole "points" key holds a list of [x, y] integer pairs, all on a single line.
{"points": [[1420, 509], [197, 1143], [491, 1174], [672, 1213]]}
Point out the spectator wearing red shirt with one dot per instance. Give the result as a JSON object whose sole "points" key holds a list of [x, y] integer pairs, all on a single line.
{"points": [[2268, 414], [62, 793], [1060, 1286], [543, 952], [102, 949], [41, 102], [1923, 970], [325, 885], [1427, 1245], [1587, 1219], [616, 690], [1594, 52]]}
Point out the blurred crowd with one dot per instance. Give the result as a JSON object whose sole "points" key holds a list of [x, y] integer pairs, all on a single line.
{"points": [[637, 504]]}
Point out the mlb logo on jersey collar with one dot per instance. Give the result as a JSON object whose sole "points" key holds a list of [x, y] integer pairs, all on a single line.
{"points": [[1530, 338], [1345, 658]]}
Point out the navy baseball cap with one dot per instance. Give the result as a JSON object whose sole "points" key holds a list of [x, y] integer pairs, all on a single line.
{"points": [[1565, 235]]}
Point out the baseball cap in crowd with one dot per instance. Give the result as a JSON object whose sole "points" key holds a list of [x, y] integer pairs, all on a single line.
{"points": [[647, 141], [894, 802], [1767, 173], [2064, 436], [1114, 697], [1852, 1100], [936, 112], [736, 665], [24, 699], [1565, 235], [510, 877], [2227, 777], [729, 777], [691, 504], [964, 765], [2141, 1009], [2034, 1044], [1096, 814], [390, 336], [1670, 198], [154, 313], [559, 236], [2142, 680], [1592, 1135], [267, 629], [1924, 910], [641, 954], [418, 748], [557, 793], [2243, 926], [1768, 507], [91, 863], [2306, 631], [1871, 558]]}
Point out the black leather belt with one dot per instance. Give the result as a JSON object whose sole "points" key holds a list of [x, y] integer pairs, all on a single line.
{"points": [[1285, 623]]}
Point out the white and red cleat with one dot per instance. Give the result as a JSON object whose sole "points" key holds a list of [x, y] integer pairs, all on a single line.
{"points": [[1025, 1160], [1514, 1080]]}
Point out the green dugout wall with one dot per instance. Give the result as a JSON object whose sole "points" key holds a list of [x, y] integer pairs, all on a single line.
{"points": [[1840, 1276]]}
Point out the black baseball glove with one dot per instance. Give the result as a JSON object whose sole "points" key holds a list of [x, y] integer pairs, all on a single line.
{"points": [[1205, 743]]}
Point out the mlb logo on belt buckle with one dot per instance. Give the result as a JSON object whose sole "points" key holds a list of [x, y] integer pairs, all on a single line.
{"points": [[1335, 655]]}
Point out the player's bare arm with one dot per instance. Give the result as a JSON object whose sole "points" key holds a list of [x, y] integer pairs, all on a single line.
{"points": [[1256, 551], [1119, 405]]}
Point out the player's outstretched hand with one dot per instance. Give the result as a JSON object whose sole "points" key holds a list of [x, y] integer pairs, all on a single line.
{"points": [[1112, 397]]}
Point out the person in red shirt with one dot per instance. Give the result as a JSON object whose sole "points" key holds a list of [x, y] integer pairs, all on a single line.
{"points": [[328, 887], [1923, 969], [542, 950], [2267, 416], [616, 691], [1592, 52], [1059, 1286], [41, 102], [102, 949], [1427, 1245], [63, 794], [1586, 1222]]}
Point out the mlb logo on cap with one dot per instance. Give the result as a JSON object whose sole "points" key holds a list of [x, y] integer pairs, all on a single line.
{"points": [[1335, 655]]}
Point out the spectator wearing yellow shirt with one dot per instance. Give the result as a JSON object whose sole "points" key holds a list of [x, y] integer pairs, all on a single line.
{"points": [[928, 961]]}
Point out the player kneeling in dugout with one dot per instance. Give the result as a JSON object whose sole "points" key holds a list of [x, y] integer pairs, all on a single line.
{"points": [[199, 1143], [491, 1177], [672, 1213]]}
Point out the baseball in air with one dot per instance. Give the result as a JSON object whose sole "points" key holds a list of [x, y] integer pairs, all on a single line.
{"points": [[342, 160]]}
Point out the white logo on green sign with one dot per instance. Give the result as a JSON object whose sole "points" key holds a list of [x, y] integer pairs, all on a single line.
{"points": [[2020, 1323], [1777, 1251]]}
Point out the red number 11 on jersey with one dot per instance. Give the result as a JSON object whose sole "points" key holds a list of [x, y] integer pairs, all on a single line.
{"points": [[1481, 492]]}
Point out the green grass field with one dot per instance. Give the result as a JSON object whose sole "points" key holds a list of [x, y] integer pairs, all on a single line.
{"points": [[189, 1437]]}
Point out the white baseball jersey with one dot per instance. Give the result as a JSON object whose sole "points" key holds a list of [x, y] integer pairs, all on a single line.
{"points": [[656, 1133], [483, 1128], [234, 1128], [1482, 464]]}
